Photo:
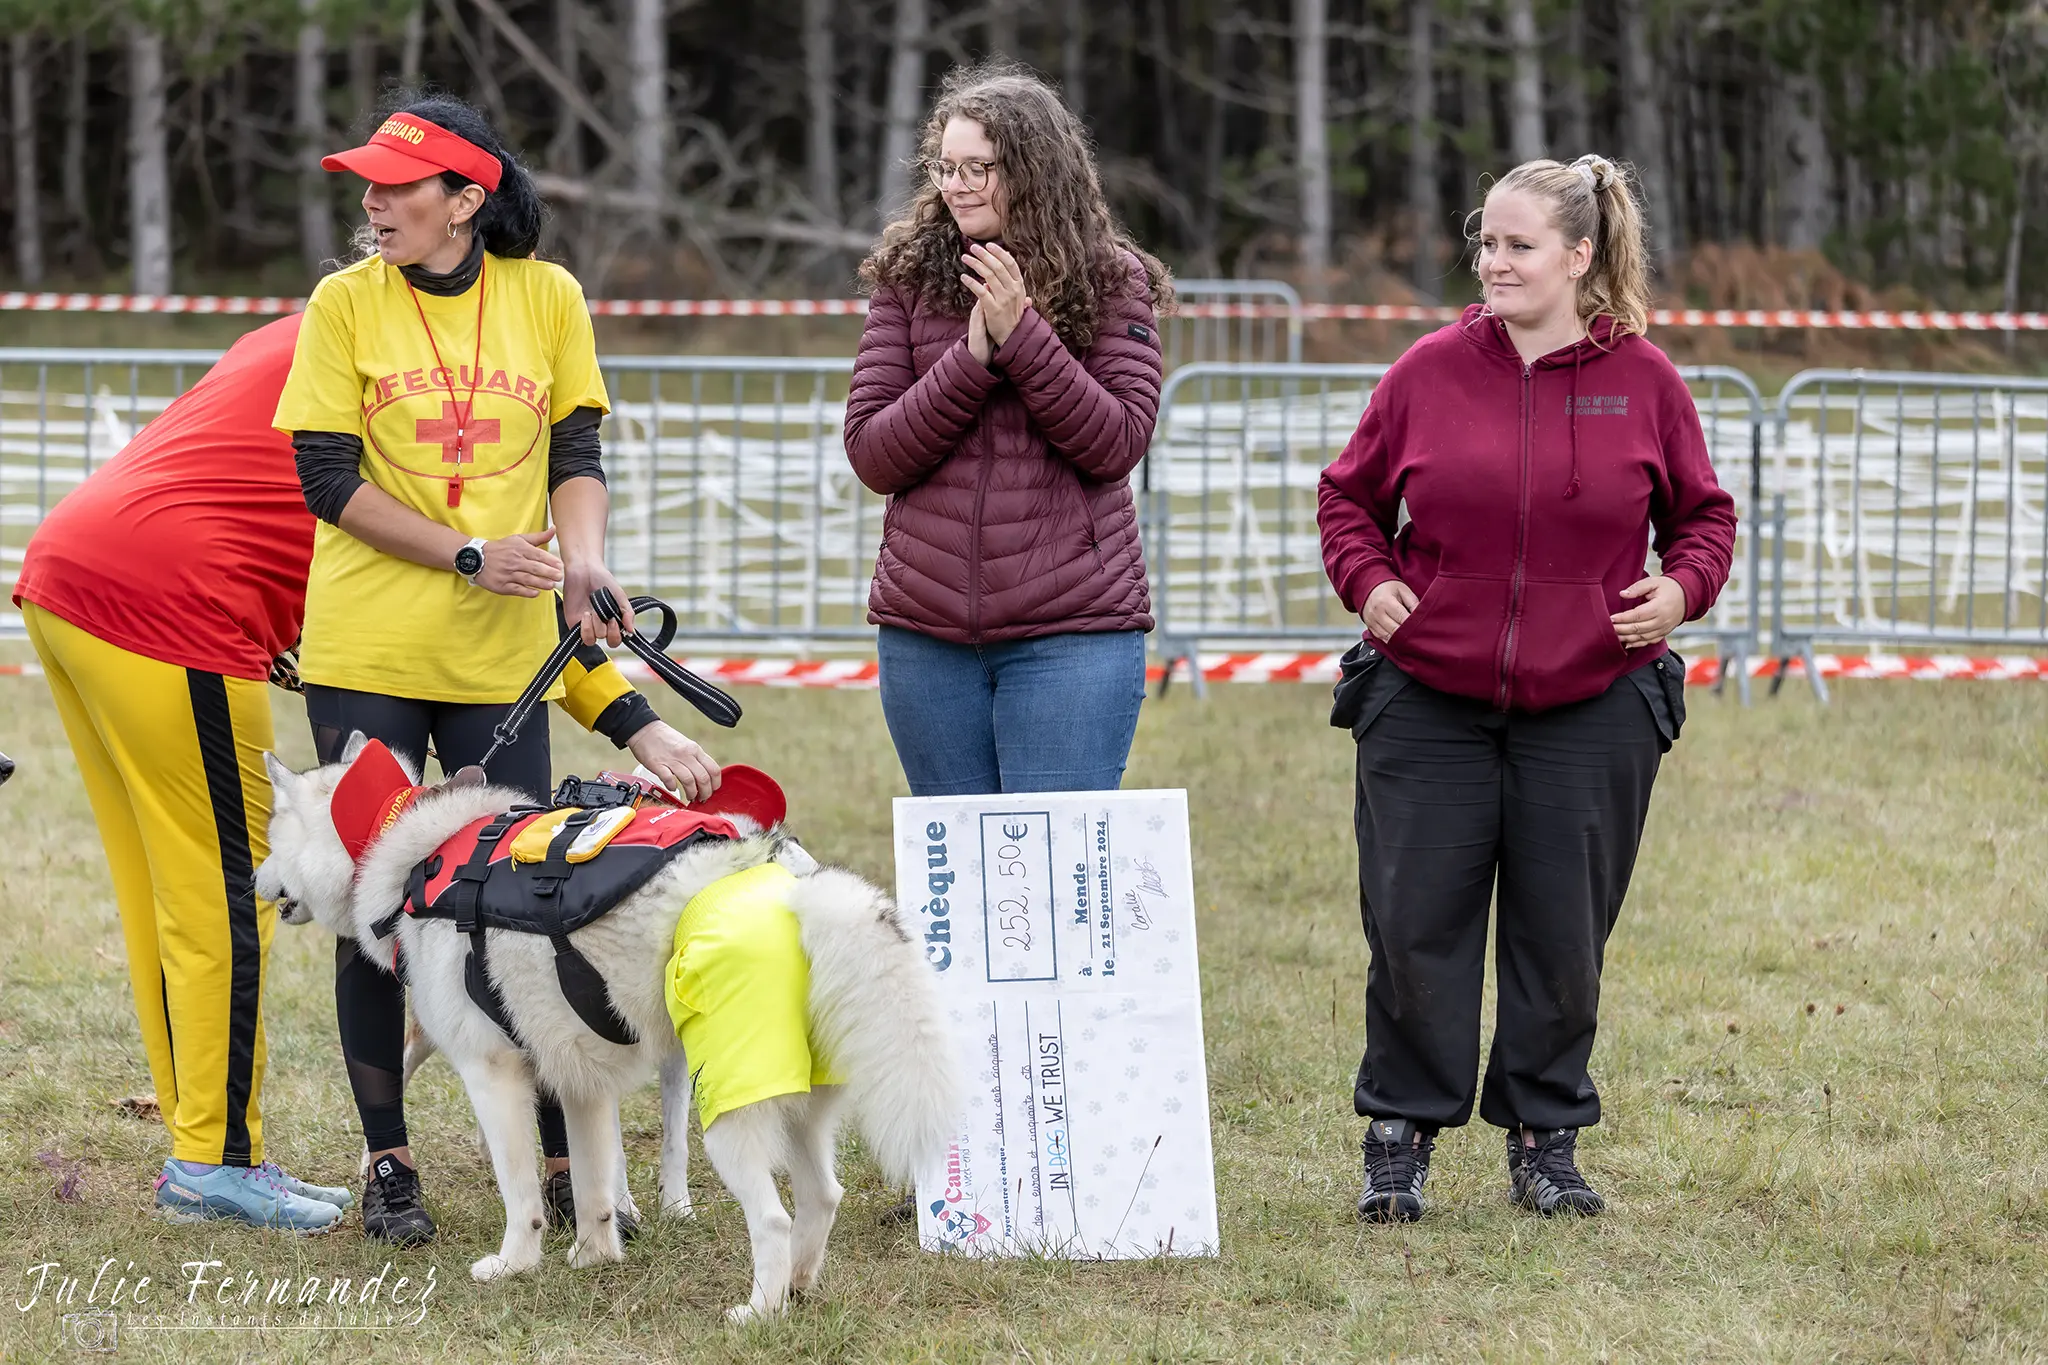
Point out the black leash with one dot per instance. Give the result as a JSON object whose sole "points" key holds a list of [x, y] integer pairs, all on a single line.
{"points": [[717, 707]]}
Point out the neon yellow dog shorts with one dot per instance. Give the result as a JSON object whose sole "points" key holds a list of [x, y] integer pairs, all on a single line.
{"points": [[739, 990]]}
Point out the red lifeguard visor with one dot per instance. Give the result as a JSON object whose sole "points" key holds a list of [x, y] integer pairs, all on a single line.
{"points": [[408, 148]]}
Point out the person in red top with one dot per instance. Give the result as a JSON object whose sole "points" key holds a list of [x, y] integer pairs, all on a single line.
{"points": [[1490, 520], [161, 596]]}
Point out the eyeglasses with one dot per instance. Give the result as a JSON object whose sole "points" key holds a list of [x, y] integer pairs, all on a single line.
{"points": [[973, 174]]}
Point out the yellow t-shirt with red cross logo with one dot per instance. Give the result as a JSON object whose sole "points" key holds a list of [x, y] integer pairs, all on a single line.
{"points": [[459, 433]]}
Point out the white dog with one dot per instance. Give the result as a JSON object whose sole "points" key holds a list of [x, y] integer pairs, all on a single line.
{"points": [[874, 1012]]}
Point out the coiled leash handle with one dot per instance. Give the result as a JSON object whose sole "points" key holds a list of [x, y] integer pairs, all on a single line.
{"points": [[717, 707]]}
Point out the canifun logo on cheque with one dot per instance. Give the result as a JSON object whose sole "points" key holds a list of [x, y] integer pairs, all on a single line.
{"points": [[957, 1226], [99, 1303]]}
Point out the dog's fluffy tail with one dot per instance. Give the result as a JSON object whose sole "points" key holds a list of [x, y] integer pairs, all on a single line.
{"points": [[876, 1012]]}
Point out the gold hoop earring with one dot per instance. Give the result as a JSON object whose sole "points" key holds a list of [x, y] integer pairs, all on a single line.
{"points": [[451, 227]]}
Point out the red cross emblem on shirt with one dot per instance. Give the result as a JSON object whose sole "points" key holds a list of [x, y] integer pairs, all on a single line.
{"points": [[458, 438]]}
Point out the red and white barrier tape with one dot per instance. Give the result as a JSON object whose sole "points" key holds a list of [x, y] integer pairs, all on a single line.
{"points": [[1788, 318], [1322, 668], [861, 674]]}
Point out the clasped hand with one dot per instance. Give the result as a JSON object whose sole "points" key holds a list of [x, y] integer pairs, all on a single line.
{"points": [[999, 298]]}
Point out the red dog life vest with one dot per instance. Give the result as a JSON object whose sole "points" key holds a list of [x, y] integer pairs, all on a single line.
{"points": [[474, 880]]}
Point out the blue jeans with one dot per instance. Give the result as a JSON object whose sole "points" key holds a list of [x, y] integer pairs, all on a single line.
{"points": [[1055, 713]]}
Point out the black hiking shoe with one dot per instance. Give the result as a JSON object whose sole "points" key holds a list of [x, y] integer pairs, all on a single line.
{"points": [[1546, 1177], [392, 1211], [1396, 1164], [558, 1195]]}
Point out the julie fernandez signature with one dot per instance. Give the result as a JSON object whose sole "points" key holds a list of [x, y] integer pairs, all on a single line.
{"points": [[211, 1293], [1137, 900]]}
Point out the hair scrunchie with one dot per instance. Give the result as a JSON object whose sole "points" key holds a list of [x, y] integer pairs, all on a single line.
{"points": [[1596, 171]]}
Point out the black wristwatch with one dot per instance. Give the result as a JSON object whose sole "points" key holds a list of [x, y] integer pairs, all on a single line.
{"points": [[469, 560]]}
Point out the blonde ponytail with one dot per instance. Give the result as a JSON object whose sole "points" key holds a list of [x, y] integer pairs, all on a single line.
{"points": [[1595, 199]]}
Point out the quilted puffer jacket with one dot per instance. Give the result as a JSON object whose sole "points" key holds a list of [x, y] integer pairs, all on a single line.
{"points": [[1010, 511]]}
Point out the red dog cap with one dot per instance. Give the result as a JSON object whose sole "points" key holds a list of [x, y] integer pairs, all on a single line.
{"points": [[749, 792], [369, 798], [408, 148]]}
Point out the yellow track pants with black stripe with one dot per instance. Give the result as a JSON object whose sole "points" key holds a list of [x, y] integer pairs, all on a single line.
{"points": [[172, 760]]}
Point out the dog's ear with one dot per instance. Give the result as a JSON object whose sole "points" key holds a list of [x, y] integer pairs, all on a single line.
{"points": [[282, 779], [357, 742], [468, 776]]}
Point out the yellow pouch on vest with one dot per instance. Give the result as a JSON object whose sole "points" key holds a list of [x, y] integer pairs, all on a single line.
{"points": [[738, 989], [530, 845]]}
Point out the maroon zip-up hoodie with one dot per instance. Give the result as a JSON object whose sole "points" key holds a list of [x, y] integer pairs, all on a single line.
{"points": [[1531, 493]]}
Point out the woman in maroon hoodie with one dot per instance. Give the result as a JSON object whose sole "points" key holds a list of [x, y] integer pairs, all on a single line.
{"points": [[1490, 521], [1005, 387]]}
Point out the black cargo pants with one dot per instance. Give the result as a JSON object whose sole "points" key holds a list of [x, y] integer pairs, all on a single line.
{"points": [[1458, 804]]}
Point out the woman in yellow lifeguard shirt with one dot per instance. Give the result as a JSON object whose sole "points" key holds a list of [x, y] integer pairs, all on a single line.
{"points": [[444, 400]]}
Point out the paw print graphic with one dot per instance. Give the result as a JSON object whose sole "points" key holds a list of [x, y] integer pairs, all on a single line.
{"points": [[1101, 1168], [1123, 1097], [1172, 1105], [1138, 1045], [977, 1102], [1121, 863], [1131, 1073], [1143, 1208], [1181, 1076], [1156, 823], [1150, 1182], [1173, 935], [1101, 1013], [1087, 1035], [1090, 1202], [1109, 1152], [1095, 1107], [1081, 1067], [1163, 966], [1129, 1005]]}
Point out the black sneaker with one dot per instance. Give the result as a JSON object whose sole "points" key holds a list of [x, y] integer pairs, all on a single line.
{"points": [[392, 1211], [1546, 1177], [1396, 1164], [559, 1196]]}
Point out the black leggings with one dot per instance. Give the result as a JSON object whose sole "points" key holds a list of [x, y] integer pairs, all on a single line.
{"points": [[369, 1002]]}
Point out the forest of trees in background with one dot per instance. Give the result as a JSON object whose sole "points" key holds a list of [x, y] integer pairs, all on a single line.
{"points": [[736, 147]]}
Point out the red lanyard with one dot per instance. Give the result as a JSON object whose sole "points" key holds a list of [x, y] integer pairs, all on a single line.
{"points": [[459, 412]]}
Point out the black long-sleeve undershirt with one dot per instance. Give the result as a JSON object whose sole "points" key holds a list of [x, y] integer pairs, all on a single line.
{"points": [[331, 462]]}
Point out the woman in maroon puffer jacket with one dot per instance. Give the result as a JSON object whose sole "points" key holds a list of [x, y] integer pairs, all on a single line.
{"points": [[1005, 387]]}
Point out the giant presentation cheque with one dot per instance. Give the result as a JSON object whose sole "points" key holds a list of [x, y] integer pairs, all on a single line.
{"points": [[1062, 927]]}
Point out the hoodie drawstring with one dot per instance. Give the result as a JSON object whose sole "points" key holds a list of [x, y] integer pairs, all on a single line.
{"points": [[1571, 489]]}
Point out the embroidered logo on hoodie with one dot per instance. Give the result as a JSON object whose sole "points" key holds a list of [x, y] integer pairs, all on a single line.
{"points": [[1599, 405]]}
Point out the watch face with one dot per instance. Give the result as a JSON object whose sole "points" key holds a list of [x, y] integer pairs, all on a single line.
{"points": [[469, 561]]}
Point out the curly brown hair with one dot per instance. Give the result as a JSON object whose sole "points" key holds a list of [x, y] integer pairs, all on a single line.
{"points": [[1055, 220]]}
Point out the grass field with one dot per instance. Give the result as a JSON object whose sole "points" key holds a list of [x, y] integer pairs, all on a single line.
{"points": [[1822, 1063]]}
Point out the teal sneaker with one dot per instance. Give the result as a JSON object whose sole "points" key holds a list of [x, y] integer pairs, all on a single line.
{"points": [[248, 1194], [325, 1194]]}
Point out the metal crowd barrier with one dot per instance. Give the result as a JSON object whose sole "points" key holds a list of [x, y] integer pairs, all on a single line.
{"points": [[1229, 491], [731, 494], [1253, 339], [1908, 512], [1903, 510]]}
